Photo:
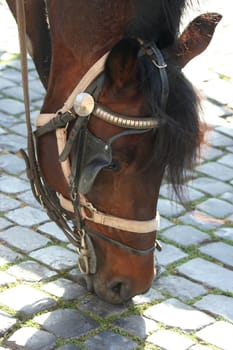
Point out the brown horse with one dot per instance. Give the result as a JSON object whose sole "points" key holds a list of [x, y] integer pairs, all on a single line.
{"points": [[114, 191]]}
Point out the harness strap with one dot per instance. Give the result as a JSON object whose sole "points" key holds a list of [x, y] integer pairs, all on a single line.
{"points": [[120, 245], [89, 212]]}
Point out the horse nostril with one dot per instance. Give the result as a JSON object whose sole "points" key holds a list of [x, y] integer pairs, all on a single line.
{"points": [[116, 288], [121, 289]]}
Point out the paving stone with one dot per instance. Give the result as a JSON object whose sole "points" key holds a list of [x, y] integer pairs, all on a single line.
{"points": [[11, 106], [173, 313], [53, 230], [225, 233], [201, 220], [23, 238], [4, 223], [228, 196], [4, 83], [28, 198], [164, 223], [179, 287], [200, 347], [190, 194], [97, 306], [56, 257], [137, 325], [185, 235], [219, 171], [219, 305], [12, 142], [227, 160], [27, 216], [20, 129], [228, 129], [169, 340], [2, 131], [108, 340], [208, 273], [210, 153], [8, 203], [30, 271], [11, 184], [11, 163], [30, 301], [64, 289], [218, 90], [170, 254], [7, 255], [66, 323], [169, 208], [68, 347], [147, 297], [15, 92], [218, 335], [32, 338], [212, 112], [220, 251], [6, 322], [216, 207], [210, 186], [219, 140], [5, 278]]}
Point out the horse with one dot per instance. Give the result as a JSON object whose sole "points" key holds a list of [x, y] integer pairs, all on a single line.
{"points": [[118, 114]]}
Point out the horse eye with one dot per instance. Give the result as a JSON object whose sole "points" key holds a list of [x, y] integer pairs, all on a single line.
{"points": [[115, 165]]}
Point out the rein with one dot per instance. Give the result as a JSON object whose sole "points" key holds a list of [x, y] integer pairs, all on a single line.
{"points": [[78, 108]]}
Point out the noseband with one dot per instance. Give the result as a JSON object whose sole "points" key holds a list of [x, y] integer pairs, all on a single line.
{"points": [[93, 155]]}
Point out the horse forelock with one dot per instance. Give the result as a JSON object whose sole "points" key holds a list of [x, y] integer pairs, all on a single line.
{"points": [[157, 21]]}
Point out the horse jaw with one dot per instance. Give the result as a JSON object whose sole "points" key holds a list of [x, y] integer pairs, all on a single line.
{"points": [[196, 37]]}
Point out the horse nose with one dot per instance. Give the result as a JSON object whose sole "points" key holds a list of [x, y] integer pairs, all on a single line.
{"points": [[121, 288]]}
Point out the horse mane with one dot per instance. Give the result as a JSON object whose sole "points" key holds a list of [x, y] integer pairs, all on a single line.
{"points": [[178, 137]]}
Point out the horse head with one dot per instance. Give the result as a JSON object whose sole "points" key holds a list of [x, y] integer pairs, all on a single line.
{"points": [[140, 120]]}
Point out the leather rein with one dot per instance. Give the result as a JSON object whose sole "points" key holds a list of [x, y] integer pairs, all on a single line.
{"points": [[79, 108]]}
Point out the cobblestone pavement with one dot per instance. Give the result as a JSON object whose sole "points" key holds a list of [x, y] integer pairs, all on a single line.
{"points": [[42, 306]]}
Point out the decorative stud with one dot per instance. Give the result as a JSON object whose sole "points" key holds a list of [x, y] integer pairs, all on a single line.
{"points": [[84, 104]]}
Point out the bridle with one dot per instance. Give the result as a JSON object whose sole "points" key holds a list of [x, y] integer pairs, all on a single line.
{"points": [[84, 167]]}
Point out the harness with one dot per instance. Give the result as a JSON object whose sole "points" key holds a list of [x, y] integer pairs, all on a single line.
{"points": [[93, 154]]}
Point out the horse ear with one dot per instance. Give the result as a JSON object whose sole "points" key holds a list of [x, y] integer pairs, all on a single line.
{"points": [[121, 67], [196, 37]]}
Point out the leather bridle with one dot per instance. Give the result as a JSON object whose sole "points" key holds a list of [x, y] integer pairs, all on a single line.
{"points": [[78, 208]]}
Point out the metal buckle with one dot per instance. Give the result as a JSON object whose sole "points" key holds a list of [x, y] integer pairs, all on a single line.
{"points": [[83, 263]]}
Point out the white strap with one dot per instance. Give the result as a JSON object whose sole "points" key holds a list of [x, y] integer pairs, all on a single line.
{"points": [[86, 80], [98, 217]]}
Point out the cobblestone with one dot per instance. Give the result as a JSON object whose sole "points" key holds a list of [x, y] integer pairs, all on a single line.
{"points": [[221, 251], [30, 271], [43, 302], [208, 273], [173, 313], [185, 235], [212, 334], [31, 338], [66, 323], [30, 301], [56, 257], [108, 340], [180, 287], [220, 305], [23, 238], [6, 322], [170, 340]]}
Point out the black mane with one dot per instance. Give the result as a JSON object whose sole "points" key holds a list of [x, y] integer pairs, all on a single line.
{"points": [[157, 21], [178, 137]]}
